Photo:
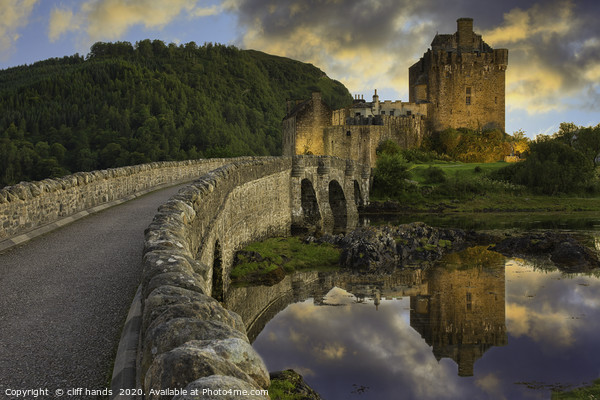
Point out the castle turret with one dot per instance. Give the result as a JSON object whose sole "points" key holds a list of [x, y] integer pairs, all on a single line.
{"points": [[375, 105]]}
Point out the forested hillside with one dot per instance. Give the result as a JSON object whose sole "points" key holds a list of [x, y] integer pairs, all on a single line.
{"points": [[128, 104]]}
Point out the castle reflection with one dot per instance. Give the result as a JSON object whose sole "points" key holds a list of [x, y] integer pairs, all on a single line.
{"points": [[458, 309]]}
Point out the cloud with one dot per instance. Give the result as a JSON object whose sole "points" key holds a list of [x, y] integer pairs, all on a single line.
{"points": [[60, 21], [554, 52], [365, 44], [15, 15], [111, 19], [553, 55]]}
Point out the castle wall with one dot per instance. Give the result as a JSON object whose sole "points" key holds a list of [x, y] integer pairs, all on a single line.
{"points": [[463, 79], [467, 90], [309, 123], [359, 142]]}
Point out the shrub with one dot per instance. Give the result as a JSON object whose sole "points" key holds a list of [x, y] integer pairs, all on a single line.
{"points": [[551, 167], [388, 147], [391, 173], [435, 175]]}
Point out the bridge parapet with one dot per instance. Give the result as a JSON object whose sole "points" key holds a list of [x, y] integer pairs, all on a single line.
{"points": [[189, 250], [30, 205]]}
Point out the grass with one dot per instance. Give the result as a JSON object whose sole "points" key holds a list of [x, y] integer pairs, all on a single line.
{"points": [[468, 190], [460, 170], [289, 253], [283, 390], [587, 393]]}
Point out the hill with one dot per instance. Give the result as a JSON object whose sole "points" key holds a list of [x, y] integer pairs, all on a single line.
{"points": [[127, 104]]}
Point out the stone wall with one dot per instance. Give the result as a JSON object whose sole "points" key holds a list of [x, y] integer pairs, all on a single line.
{"points": [[359, 142], [30, 205], [189, 340]]}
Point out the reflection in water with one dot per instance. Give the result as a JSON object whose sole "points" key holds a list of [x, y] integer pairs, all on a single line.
{"points": [[438, 333], [462, 316]]}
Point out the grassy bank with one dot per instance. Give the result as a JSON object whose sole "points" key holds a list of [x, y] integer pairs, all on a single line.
{"points": [[466, 188], [282, 255]]}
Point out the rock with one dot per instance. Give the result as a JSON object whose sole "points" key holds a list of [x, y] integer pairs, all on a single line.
{"points": [[217, 387], [382, 249], [573, 257], [208, 311], [240, 353], [179, 367], [562, 249], [300, 388], [189, 281], [162, 338]]}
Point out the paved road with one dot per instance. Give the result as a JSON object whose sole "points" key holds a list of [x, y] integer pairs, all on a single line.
{"points": [[64, 298]]}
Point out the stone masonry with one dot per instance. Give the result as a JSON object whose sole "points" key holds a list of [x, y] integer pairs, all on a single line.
{"points": [[29, 205], [189, 340], [462, 79], [458, 83]]}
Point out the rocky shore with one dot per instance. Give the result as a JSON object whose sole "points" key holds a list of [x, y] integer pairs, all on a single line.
{"points": [[382, 249], [562, 249]]}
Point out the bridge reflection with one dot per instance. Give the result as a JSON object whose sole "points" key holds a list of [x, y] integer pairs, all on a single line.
{"points": [[457, 306]]}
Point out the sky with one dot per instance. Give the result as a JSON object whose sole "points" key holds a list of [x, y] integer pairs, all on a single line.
{"points": [[553, 73]]}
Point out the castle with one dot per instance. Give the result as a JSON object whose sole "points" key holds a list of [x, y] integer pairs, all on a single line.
{"points": [[459, 82]]}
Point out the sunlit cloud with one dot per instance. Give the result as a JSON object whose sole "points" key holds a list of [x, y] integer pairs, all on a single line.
{"points": [[553, 56], [14, 16], [330, 351], [553, 47], [492, 385], [111, 19], [547, 325]]}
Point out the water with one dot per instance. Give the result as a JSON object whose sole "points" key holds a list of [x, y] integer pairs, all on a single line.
{"points": [[476, 326]]}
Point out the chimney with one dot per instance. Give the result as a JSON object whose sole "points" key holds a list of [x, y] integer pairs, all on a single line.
{"points": [[464, 34]]}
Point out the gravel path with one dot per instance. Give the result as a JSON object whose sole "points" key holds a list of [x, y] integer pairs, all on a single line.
{"points": [[64, 298]]}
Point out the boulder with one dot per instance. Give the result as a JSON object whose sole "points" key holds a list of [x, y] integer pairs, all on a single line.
{"points": [[177, 368]]}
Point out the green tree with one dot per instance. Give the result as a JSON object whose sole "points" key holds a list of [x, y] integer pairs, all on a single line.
{"points": [[587, 141], [551, 167], [390, 175]]}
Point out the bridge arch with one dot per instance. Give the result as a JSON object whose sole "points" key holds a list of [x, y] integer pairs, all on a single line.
{"points": [[310, 205], [217, 289], [358, 199], [338, 205]]}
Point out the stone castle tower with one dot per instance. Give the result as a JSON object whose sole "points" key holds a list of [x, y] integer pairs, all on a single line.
{"points": [[463, 80], [457, 83]]}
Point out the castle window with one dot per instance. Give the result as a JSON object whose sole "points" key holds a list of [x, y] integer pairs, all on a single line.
{"points": [[409, 112], [495, 100], [468, 91], [468, 102], [392, 113], [382, 112], [469, 302], [348, 133]]}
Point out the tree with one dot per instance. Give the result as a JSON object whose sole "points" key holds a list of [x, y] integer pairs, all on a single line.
{"points": [[551, 167], [587, 141], [566, 133], [391, 173]]}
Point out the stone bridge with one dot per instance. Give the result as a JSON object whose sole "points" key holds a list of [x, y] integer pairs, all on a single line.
{"points": [[186, 337]]}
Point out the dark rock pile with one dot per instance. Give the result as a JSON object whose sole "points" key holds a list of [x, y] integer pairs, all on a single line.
{"points": [[563, 250], [382, 249]]}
